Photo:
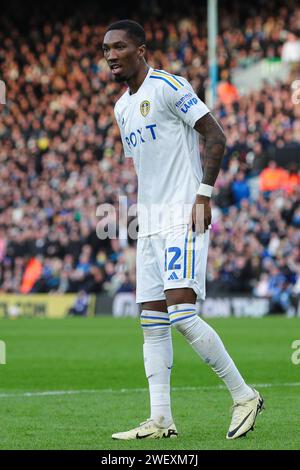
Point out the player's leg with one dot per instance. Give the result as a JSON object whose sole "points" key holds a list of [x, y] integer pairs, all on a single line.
{"points": [[208, 345], [157, 349], [158, 359], [181, 293], [205, 341]]}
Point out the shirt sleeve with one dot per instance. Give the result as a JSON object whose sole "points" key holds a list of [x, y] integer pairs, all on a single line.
{"points": [[127, 150], [183, 102]]}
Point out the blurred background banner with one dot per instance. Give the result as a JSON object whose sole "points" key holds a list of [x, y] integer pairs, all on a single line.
{"points": [[43, 305], [123, 305], [61, 155]]}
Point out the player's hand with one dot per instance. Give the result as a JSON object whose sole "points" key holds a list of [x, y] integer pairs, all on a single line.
{"points": [[201, 214]]}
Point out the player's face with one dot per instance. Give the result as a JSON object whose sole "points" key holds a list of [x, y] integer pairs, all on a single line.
{"points": [[122, 54]]}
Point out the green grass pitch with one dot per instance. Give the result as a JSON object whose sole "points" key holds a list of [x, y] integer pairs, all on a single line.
{"points": [[99, 361]]}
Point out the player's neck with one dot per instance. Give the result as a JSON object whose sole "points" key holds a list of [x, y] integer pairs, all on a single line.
{"points": [[135, 82]]}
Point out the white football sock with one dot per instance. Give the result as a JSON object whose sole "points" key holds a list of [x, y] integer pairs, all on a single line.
{"points": [[208, 345], [158, 360]]}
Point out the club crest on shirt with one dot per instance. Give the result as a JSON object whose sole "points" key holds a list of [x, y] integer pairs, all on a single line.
{"points": [[145, 108]]}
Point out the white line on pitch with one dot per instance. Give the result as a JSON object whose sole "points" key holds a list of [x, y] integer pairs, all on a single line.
{"points": [[134, 390]]}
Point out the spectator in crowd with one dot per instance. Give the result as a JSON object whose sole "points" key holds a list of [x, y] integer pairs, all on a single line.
{"points": [[240, 188], [80, 307], [292, 179], [273, 178], [291, 49], [227, 92]]}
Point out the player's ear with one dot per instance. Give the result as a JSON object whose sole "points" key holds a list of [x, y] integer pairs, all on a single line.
{"points": [[142, 51]]}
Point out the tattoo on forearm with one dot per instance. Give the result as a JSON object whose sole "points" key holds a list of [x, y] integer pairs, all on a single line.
{"points": [[214, 147], [214, 151]]}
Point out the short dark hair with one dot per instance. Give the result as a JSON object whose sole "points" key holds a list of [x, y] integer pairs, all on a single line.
{"points": [[133, 29]]}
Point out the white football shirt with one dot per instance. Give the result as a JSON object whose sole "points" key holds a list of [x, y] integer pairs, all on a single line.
{"points": [[156, 125]]}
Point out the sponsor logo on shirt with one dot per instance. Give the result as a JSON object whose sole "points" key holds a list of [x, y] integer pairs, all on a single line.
{"points": [[145, 108], [182, 100], [184, 108], [141, 135]]}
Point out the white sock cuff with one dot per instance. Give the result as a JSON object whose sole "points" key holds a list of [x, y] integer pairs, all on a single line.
{"points": [[174, 308], [181, 312], [151, 319]]}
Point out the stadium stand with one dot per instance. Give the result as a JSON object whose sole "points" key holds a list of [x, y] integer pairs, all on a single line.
{"points": [[61, 154]]}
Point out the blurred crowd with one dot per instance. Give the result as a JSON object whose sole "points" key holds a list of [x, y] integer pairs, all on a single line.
{"points": [[61, 156], [255, 242]]}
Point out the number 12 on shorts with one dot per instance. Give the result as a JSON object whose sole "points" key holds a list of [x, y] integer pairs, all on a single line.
{"points": [[172, 254]]}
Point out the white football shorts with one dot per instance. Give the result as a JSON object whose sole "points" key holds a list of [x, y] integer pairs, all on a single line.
{"points": [[171, 259]]}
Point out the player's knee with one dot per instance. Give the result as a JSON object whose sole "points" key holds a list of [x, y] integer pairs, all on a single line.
{"points": [[157, 322], [189, 324], [183, 317], [180, 296], [156, 335], [185, 326]]}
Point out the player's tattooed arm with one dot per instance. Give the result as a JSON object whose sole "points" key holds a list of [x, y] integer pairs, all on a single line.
{"points": [[215, 141]]}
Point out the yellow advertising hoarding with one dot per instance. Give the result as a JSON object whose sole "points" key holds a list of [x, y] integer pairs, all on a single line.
{"points": [[39, 305]]}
